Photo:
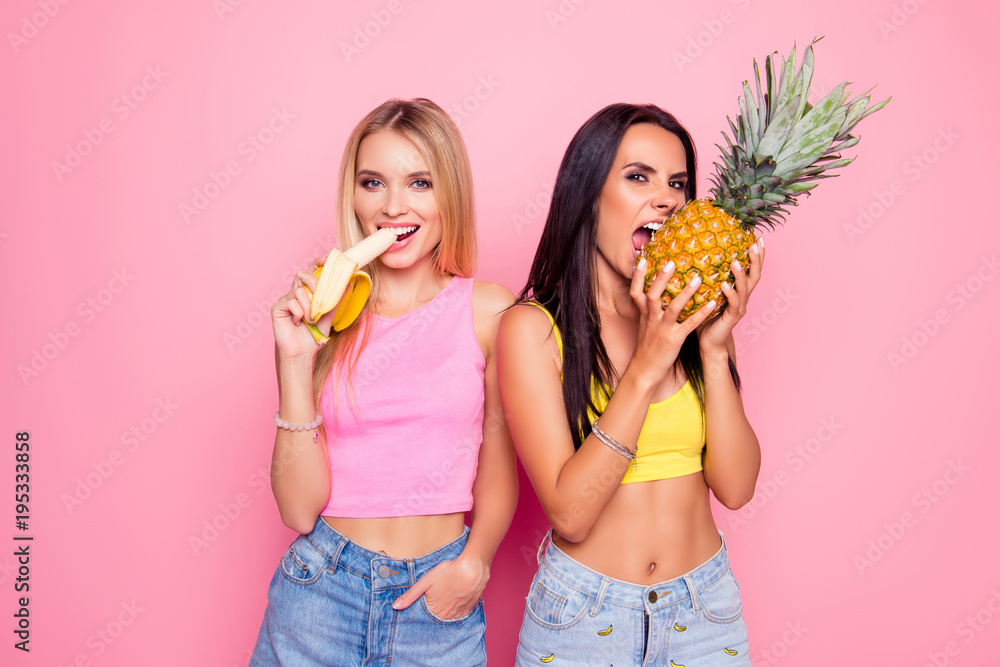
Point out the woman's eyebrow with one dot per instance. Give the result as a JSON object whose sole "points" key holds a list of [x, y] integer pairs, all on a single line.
{"points": [[646, 167], [371, 172], [639, 165]]}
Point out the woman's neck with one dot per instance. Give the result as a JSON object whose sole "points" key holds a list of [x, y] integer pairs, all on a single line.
{"points": [[613, 298], [402, 291]]}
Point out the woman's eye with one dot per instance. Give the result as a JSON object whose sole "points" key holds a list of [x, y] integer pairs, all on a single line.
{"points": [[371, 183], [638, 177], [678, 185], [421, 184]]}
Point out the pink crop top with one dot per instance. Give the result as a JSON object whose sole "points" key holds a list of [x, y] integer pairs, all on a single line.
{"points": [[404, 438]]}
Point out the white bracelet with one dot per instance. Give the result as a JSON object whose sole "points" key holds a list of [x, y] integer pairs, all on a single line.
{"points": [[288, 426]]}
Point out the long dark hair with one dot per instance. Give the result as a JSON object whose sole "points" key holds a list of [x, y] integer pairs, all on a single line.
{"points": [[563, 276]]}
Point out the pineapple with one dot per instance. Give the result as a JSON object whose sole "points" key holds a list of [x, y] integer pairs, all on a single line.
{"points": [[781, 145]]}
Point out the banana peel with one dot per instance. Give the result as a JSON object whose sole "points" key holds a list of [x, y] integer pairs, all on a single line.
{"points": [[343, 289], [354, 297]]}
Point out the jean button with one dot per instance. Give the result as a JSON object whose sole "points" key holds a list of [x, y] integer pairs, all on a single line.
{"points": [[384, 571], [652, 596]]}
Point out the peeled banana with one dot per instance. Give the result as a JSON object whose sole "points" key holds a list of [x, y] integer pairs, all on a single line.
{"points": [[342, 288]]}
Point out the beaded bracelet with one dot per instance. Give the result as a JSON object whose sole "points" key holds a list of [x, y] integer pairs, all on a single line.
{"points": [[311, 426], [614, 444]]}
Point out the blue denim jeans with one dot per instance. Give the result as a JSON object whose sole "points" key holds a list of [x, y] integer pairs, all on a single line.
{"points": [[330, 603], [577, 616]]}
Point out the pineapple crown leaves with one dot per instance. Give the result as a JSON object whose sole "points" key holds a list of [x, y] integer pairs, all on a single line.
{"points": [[781, 145]]}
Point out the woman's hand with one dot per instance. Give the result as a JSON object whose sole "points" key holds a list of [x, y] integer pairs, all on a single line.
{"points": [[715, 335], [660, 334], [291, 335], [451, 589]]}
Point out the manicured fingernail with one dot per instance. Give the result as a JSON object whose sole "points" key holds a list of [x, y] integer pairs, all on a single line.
{"points": [[695, 281], [736, 262], [395, 605], [641, 266], [753, 249], [669, 266], [761, 241], [711, 304], [727, 286]]}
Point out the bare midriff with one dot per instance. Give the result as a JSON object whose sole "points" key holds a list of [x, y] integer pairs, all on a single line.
{"points": [[650, 531], [403, 536]]}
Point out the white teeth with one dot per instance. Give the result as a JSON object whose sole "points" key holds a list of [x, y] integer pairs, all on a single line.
{"points": [[655, 226], [402, 230]]}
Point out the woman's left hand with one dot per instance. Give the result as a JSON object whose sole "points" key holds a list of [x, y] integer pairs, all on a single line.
{"points": [[451, 589], [715, 333]]}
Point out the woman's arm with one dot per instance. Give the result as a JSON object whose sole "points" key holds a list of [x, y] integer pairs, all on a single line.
{"points": [[453, 587], [575, 486], [732, 453], [494, 493], [300, 469]]}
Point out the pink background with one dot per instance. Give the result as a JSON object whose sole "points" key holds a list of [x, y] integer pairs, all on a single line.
{"points": [[869, 355]]}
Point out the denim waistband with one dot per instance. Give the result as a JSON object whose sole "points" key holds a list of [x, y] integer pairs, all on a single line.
{"points": [[383, 571], [626, 594]]}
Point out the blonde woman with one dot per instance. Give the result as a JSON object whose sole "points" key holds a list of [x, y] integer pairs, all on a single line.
{"points": [[401, 429], [626, 419]]}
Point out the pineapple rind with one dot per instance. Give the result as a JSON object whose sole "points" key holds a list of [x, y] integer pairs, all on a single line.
{"points": [[701, 239]]}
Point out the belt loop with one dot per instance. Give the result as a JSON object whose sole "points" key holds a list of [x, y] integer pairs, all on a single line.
{"points": [[411, 570], [541, 547], [335, 556], [695, 602], [600, 596]]}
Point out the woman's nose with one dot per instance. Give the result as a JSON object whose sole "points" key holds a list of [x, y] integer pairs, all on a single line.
{"points": [[667, 199], [394, 203]]}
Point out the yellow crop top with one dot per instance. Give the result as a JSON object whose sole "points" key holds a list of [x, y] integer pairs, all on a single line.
{"points": [[672, 438]]}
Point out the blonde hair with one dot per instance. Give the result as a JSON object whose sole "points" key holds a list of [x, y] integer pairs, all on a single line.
{"points": [[428, 127]]}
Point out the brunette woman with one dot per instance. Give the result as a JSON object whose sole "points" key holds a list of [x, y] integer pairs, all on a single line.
{"points": [[626, 419]]}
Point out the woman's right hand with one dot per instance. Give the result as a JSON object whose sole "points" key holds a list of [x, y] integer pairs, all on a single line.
{"points": [[292, 337], [660, 334]]}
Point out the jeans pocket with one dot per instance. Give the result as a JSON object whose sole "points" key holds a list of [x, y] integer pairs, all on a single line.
{"points": [[303, 564], [449, 621], [720, 602], [554, 604]]}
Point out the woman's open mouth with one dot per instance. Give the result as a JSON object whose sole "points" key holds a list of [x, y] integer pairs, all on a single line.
{"points": [[641, 236], [403, 233]]}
